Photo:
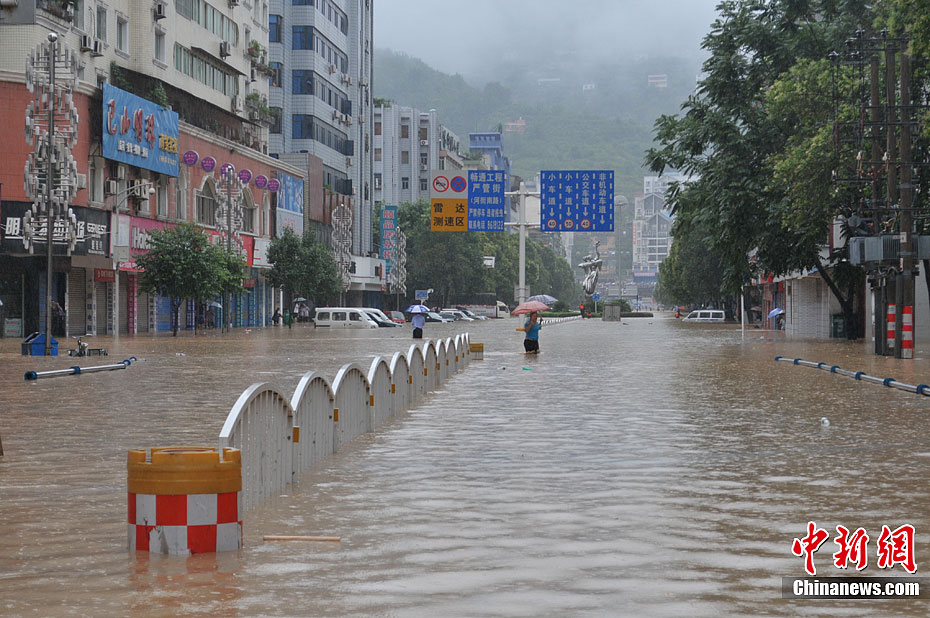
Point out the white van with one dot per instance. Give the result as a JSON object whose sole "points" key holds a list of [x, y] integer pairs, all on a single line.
{"points": [[706, 315], [343, 317]]}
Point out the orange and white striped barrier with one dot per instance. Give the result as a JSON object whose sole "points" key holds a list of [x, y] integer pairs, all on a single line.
{"points": [[892, 311], [185, 500], [907, 332]]}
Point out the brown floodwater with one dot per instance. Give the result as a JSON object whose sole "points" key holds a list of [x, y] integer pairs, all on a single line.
{"points": [[641, 468]]}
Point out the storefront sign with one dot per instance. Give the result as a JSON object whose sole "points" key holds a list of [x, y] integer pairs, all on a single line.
{"points": [[261, 181], [248, 283], [388, 231], [92, 227], [273, 185], [208, 164], [139, 132], [245, 176], [260, 253], [105, 275], [190, 158]]}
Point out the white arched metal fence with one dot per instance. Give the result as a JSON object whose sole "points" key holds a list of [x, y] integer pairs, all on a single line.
{"points": [[281, 437]]}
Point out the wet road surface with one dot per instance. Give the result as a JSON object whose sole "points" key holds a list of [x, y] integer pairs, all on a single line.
{"points": [[645, 468]]}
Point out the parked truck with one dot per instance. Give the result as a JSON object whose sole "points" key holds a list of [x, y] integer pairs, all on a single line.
{"points": [[497, 310]]}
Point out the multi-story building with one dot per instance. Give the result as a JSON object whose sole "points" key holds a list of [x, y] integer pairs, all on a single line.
{"points": [[408, 144], [168, 95], [652, 227], [321, 62]]}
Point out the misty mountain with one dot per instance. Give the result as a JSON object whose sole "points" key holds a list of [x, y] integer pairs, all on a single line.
{"points": [[577, 115]]}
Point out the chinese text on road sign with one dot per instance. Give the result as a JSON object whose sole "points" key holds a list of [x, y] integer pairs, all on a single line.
{"points": [[577, 201]]}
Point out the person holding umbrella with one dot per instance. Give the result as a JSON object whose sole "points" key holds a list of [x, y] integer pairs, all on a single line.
{"points": [[532, 325], [418, 319]]}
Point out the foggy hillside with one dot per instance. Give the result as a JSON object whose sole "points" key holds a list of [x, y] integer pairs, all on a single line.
{"points": [[576, 117]]}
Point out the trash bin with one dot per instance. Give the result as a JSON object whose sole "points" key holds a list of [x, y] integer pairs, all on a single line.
{"points": [[34, 345], [838, 330]]}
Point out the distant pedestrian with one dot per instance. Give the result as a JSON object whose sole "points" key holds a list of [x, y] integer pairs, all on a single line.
{"points": [[418, 320], [288, 318], [581, 308], [276, 316], [211, 317], [304, 313], [531, 328]]}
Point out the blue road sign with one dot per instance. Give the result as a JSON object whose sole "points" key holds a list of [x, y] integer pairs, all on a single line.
{"points": [[486, 205], [595, 296], [421, 294], [577, 201]]}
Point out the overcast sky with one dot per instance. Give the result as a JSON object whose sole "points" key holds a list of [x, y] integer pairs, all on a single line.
{"points": [[467, 37]]}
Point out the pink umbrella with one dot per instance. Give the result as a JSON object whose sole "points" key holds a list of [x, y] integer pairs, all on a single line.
{"points": [[529, 306]]}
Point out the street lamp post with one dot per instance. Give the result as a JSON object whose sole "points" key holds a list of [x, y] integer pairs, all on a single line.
{"points": [[523, 225], [51, 171]]}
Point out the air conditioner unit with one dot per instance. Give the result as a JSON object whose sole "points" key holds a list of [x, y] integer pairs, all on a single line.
{"points": [[254, 115], [161, 10], [332, 68], [423, 167], [236, 105], [363, 83], [97, 48], [121, 172], [224, 50], [82, 181], [424, 142], [377, 182], [361, 120], [347, 119], [111, 187], [87, 43], [348, 161]]}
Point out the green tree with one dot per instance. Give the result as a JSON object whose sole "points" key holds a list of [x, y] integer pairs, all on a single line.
{"points": [[303, 267], [730, 139], [181, 263]]}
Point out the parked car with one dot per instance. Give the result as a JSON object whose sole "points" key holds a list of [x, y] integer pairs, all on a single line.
{"points": [[705, 315], [473, 315], [378, 312], [343, 317], [456, 315], [432, 316], [381, 322], [397, 317]]}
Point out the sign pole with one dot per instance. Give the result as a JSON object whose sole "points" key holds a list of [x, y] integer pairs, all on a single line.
{"points": [[522, 295]]}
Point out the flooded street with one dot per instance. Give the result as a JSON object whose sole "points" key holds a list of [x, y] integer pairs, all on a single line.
{"points": [[643, 468]]}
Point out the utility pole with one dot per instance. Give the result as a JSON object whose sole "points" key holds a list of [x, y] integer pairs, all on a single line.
{"points": [[907, 251], [523, 225]]}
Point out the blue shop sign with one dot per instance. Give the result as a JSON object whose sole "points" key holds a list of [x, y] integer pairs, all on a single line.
{"points": [[138, 132], [291, 193]]}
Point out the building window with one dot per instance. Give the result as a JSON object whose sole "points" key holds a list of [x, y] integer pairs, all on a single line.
{"points": [[302, 126], [405, 157], [159, 50], [302, 37], [248, 217], [422, 132], [122, 34], [101, 23], [277, 68], [161, 198], [423, 184], [276, 125], [302, 81], [404, 131], [405, 183], [274, 28], [79, 15], [206, 207], [377, 128], [424, 158], [377, 154]]}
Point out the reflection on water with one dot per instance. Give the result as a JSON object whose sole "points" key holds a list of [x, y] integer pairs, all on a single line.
{"points": [[646, 468]]}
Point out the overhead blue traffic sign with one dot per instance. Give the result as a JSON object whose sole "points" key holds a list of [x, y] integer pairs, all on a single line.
{"points": [[486, 205], [577, 201]]}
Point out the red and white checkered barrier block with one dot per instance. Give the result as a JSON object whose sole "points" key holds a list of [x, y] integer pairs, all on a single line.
{"points": [[907, 332], [185, 500], [183, 525]]}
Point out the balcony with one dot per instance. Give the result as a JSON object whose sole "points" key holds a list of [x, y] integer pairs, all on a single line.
{"points": [[63, 9]]}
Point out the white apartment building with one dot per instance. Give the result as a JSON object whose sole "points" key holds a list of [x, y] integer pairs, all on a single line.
{"points": [[408, 144], [652, 226], [321, 60]]}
